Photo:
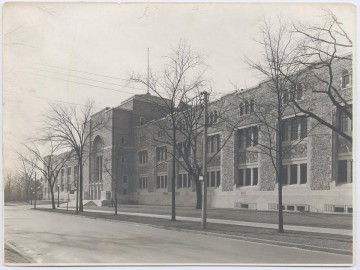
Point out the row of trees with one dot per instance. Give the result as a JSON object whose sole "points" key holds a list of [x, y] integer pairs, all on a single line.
{"points": [[302, 54]]}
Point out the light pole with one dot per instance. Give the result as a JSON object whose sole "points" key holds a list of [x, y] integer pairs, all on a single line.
{"points": [[58, 190], [204, 173]]}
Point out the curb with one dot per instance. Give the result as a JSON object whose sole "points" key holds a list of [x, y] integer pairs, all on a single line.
{"points": [[227, 236], [20, 253]]}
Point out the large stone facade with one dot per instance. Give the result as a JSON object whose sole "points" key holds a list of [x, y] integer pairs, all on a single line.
{"points": [[132, 147]]}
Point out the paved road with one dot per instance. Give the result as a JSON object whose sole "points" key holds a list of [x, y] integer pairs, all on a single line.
{"points": [[52, 238]]}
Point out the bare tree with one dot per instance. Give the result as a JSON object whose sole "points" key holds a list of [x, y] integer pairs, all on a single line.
{"points": [[182, 77], [275, 66], [26, 172], [9, 185], [48, 162], [321, 47], [73, 127]]}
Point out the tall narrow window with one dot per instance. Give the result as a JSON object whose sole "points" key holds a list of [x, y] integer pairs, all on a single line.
{"points": [[255, 176], [345, 79], [248, 177], [284, 175], [284, 130], [252, 105], [242, 109], [248, 137], [256, 136], [294, 129], [303, 173], [293, 174], [241, 139], [343, 119], [342, 171], [299, 92], [218, 178], [247, 107], [303, 129], [241, 178]]}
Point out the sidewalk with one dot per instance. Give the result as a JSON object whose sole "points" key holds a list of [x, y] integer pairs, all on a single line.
{"points": [[345, 232]]}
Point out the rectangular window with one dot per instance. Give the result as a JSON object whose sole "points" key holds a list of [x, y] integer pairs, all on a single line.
{"points": [[68, 176], [342, 171], [161, 153], [294, 129], [241, 178], [252, 105], [62, 180], [299, 92], [303, 126], [158, 182], [242, 109], [125, 179], [218, 178], [247, 107], [241, 139], [213, 180], [284, 175], [247, 177], [255, 176], [303, 173], [256, 136], [284, 130], [180, 181], [76, 175], [143, 157], [343, 119], [213, 144], [248, 137], [293, 174]]}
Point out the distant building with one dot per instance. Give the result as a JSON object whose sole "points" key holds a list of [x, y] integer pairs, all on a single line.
{"points": [[318, 168]]}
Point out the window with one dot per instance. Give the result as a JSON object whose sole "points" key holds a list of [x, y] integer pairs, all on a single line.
{"points": [[303, 127], [248, 177], [344, 122], [345, 79], [255, 176], [68, 176], [182, 150], [76, 175], [213, 178], [143, 182], [161, 153], [142, 121], [213, 143], [161, 132], [122, 140], [247, 107], [98, 168], [142, 137], [342, 171], [294, 129], [285, 96], [161, 181], [62, 180], [143, 157], [284, 175], [303, 173], [184, 180], [248, 137], [298, 92], [124, 191], [293, 174], [284, 130], [122, 159], [296, 124], [125, 178]]}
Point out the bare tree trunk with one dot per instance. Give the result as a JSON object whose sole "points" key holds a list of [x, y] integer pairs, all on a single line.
{"points": [[198, 194], [279, 176], [173, 182], [52, 197], [116, 199], [81, 208]]}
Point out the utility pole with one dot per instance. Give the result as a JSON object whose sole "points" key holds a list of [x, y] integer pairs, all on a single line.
{"points": [[35, 193], [77, 191], [204, 203]]}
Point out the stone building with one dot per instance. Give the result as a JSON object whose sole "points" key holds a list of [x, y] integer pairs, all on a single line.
{"points": [[130, 156]]}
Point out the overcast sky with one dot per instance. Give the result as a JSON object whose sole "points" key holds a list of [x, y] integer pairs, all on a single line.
{"points": [[52, 50]]}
